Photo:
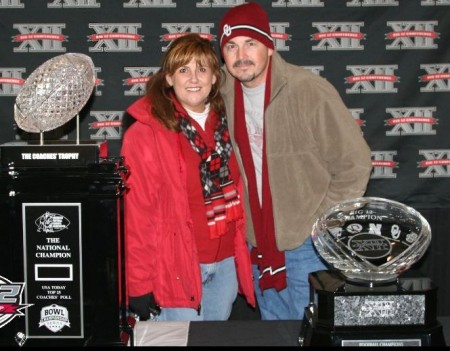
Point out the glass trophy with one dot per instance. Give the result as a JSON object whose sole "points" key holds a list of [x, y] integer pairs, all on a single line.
{"points": [[61, 209], [55, 92], [365, 298]]}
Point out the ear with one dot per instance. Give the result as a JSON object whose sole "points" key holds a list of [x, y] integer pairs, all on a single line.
{"points": [[270, 52], [169, 80], [214, 79]]}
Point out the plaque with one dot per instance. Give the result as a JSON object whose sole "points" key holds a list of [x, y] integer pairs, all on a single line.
{"points": [[368, 297], [62, 268]]}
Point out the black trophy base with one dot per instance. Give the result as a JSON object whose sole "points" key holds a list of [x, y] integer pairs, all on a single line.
{"points": [[342, 313], [313, 335]]}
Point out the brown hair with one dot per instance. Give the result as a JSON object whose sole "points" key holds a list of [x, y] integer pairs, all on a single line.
{"points": [[180, 52]]}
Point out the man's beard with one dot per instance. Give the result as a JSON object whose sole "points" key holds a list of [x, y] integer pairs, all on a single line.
{"points": [[248, 77]]}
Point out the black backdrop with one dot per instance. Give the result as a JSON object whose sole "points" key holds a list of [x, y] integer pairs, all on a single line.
{"points": [[389, 59]]}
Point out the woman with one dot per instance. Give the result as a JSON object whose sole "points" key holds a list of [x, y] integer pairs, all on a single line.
{"points": [[184, 223]]}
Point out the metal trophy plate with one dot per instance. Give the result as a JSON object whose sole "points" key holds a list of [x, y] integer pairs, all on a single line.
{"points": [[368, 297]]}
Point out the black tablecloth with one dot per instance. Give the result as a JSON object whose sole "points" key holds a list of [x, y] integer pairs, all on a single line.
{"points": [[258, 333]]}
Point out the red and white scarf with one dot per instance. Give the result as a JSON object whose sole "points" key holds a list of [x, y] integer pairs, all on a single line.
{"points": [[270, 261]]}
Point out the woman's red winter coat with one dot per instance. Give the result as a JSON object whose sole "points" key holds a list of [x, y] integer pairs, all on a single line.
{"points": [[161, 255]]}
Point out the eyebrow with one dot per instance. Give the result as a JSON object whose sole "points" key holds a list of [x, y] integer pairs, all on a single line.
{"points": [[246, 41]]}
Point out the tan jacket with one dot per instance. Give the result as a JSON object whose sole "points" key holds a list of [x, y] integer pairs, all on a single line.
{"points": [[316, 153]]}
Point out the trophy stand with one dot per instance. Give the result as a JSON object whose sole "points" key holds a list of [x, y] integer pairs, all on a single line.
{"points": [[341, 313], [366, 299], [62, 264]]}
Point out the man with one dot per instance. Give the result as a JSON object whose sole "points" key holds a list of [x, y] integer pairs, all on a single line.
{"points": [[301, 152]]}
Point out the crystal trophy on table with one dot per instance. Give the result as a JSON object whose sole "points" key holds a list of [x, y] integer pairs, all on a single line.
{"points": [[365, 299]]}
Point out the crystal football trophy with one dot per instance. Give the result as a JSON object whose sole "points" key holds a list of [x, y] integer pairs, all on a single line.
{"points": [[54, 93], [365, 299], [60, 201]]}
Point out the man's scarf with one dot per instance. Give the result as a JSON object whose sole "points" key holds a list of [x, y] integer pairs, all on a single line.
{"points": [[219, 191], [270, 261]]}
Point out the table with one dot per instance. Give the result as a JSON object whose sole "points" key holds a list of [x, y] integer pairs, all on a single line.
{"points": [[235, 333]]}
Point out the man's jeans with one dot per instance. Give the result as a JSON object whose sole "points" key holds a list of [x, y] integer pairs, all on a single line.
{"points": [[220, 289], [290, 303]]}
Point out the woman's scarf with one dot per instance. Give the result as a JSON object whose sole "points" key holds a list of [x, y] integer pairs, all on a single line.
{"points": [[219, 191]]}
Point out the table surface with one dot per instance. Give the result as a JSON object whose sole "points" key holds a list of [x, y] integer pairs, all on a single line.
{"points": [[259, 333]]}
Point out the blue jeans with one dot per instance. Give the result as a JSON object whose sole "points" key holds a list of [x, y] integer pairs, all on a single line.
{"points": [[219, 291], [290, 303]]}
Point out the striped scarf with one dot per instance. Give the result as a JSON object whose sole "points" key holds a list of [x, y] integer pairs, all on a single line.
{"points": [[219, 191]]}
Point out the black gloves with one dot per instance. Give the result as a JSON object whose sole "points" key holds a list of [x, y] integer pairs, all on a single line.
{"points": [[143, 306]]}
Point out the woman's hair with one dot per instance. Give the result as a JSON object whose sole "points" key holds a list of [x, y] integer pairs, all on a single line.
{"points": [[181, 52]]}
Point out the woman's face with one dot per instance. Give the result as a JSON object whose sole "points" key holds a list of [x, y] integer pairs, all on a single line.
{"points": [[192, 84]]}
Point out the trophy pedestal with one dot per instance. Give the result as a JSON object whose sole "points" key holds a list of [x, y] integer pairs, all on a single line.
{"points": [[62, 267], [342, 313]]}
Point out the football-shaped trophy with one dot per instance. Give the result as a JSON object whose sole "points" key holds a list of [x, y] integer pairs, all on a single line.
{"points": [[60, 201], [54, 93], [371, 240], [365, 299]]}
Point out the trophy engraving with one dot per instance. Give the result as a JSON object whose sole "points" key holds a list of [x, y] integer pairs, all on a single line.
{"points": [[371, 239]]}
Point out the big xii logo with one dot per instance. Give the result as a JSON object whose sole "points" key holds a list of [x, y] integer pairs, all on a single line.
{"points": [[108, 125], [39, 37], [338, 36], [436, 163], [411, 121], [11, 305], [139, 77], [11, 80]]}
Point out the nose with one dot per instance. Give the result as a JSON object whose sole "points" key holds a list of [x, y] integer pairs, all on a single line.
{"points": [[240, 53], [194, 76]]}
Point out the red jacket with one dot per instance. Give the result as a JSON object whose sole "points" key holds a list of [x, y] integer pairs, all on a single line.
{"points": [[161, 253]]}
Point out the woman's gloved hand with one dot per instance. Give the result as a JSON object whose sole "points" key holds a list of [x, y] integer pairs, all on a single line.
{"points": [[143, 306]]}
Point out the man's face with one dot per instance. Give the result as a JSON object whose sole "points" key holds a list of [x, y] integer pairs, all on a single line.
{"points": [[247, 59]]}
